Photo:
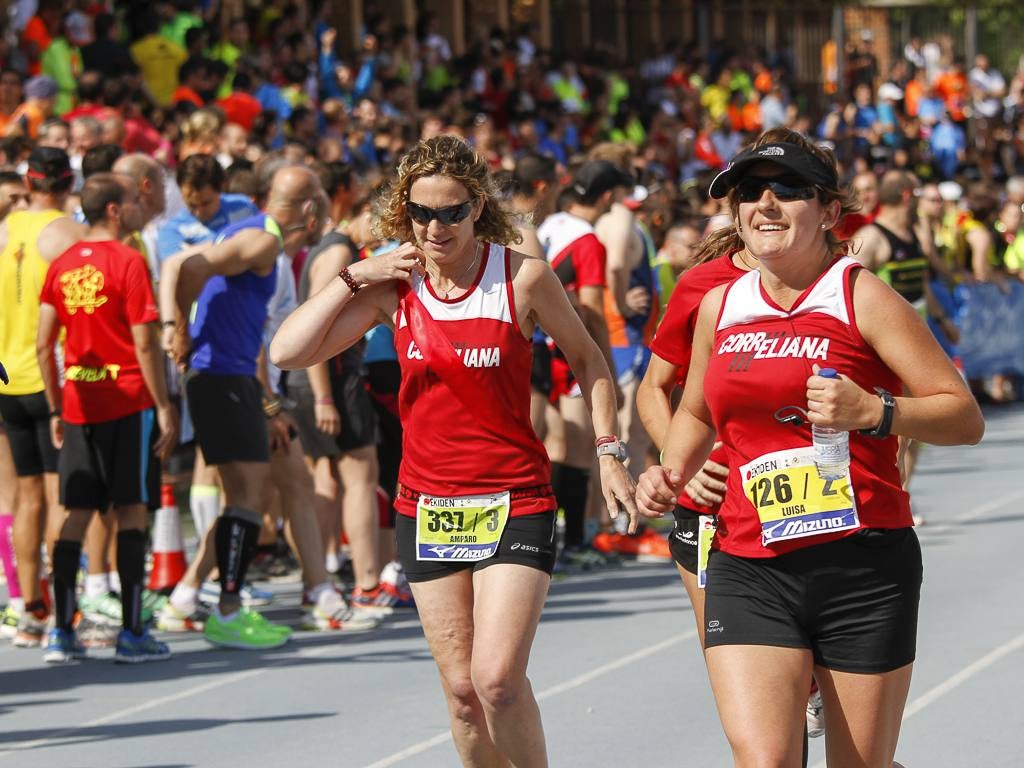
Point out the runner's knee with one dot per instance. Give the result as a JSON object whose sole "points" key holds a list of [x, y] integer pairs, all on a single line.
{"points": [[496, 687]]}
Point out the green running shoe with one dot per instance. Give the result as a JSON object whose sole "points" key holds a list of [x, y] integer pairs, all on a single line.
{"points": [[247, 631], [105, 608]]}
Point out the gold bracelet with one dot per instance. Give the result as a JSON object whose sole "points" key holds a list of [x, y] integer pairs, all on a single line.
{"points": [[271, 407]]}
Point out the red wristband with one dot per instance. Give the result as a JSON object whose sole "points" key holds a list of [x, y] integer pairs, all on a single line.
{"points": [[349, 280], [325, 401], [605, 440]]}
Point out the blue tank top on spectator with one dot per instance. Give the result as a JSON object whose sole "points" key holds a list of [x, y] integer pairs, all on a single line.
{"points": [[229, 315], [184, 229]]}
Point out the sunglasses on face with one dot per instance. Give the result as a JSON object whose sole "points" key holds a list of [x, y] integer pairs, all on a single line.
{"points": [[785, 188], [448, 215]]}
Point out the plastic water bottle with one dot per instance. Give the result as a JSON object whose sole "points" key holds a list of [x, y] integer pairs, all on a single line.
{"points": [[831, 446]]}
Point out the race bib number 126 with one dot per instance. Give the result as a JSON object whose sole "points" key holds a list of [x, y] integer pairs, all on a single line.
{"points": [[792, 501]]}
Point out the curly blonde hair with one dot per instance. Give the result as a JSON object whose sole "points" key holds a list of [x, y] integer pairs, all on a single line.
{"points": [[727, 240], [448, 156]]}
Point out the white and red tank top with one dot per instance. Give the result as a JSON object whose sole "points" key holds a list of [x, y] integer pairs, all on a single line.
{"points": [[466, 417], [760, 361]]}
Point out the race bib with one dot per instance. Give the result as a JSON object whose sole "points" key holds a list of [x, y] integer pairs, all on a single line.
{"points": [[792, 501], [462, 529], [705, 535]]}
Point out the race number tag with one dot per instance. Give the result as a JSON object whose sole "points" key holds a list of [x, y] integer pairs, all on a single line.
{"points": [[705, 535], [792, 501], [463, 529]]}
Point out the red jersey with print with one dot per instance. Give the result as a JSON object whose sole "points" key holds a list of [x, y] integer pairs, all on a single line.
{"points": [[100, 290], [574, 252], [466, 416], [761, 358], [673, 342]]}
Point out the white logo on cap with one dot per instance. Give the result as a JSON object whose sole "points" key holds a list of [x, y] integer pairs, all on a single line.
{"points": [[772, 151]]}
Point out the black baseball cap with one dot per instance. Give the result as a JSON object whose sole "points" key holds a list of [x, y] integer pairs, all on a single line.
{"points": [[48, 163], [793, 157], [595, 177]]}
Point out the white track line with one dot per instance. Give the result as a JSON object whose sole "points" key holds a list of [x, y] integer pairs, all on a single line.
{"points": [[21, 746], [955, 681], [961, 677], [548, 693]]}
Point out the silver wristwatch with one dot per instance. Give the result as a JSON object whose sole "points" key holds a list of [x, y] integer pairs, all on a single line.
{"points": [[616, 449]]}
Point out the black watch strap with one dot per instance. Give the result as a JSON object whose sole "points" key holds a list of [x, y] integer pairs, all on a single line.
{"points": [[888, 407]]}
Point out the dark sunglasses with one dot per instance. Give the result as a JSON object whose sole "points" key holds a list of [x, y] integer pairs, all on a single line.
{"points": [[448, 215], [785, 188]]}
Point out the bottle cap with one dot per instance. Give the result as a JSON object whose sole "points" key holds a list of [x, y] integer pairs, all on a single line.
{"points": [[829, 373]]}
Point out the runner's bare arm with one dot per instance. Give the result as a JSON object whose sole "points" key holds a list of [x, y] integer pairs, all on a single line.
{"points": [[250, 250], [321, 272], [46, 338], [654, 398], [334, 319], [941, 410], [147, 350], [549, 305], [690, 435]]}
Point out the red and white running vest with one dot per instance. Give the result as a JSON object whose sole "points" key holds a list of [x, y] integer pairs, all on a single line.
{"points": [[760, 361], [466, 416]]}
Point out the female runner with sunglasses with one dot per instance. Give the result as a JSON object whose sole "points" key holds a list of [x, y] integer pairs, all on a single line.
{"points": [[807, 575], [476, 512]]}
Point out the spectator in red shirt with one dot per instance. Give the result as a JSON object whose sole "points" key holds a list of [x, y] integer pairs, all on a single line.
{"points": [[103, 421]]}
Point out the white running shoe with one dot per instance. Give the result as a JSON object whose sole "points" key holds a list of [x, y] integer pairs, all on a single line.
{"points": [[815, 716]]}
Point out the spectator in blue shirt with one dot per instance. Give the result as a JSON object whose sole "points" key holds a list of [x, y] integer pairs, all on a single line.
{"points": [[947, 143], [207, 210]]}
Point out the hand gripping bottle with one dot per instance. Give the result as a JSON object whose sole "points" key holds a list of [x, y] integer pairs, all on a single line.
{"points": [[831, 446]]}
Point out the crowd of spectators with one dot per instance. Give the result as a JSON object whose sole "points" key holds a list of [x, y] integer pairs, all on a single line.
{"points": [[176, 78]]}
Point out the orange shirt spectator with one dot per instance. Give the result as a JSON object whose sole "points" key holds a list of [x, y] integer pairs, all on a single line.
{"points": [[912, 96], [40, 93], [952, 87]]}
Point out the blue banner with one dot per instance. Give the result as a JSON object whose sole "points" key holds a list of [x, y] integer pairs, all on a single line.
{"points": [[991, 325]]}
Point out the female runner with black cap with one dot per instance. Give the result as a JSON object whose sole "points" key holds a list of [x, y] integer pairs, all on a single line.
{"points": [[807, 574]]}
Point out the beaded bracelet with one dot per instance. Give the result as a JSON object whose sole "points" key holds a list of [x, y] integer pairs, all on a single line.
{"points": [[349, 280]]}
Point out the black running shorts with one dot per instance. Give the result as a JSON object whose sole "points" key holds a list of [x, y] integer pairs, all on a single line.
{"points": [[227, 413], [540, 372], [527, 540], [853, 602], [685, 537], [355, 409], [110, 463], [27, 421]]}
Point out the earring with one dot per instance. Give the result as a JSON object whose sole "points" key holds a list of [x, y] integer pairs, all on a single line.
{"points": [[824, 225]]}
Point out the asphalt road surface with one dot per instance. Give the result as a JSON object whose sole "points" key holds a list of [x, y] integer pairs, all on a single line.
{"points": [[616, 667]]}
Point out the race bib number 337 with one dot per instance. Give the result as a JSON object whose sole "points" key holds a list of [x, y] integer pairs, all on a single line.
{"points": [[792, 501], [462, 529]]}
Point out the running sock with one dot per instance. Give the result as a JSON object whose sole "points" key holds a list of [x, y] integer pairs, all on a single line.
{"points": [[7, 557], [185, 598], [38, 608], [572, 497], [235, 542], [97, 584], [131, 564], [114, 579], [67, 556], [204, 503]]}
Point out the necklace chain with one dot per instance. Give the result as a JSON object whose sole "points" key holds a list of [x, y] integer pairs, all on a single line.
{"points": [[742, 254], [466, 271]]}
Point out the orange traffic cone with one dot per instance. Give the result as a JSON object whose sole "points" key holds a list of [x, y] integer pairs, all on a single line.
{"points": [[168, 548]]}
